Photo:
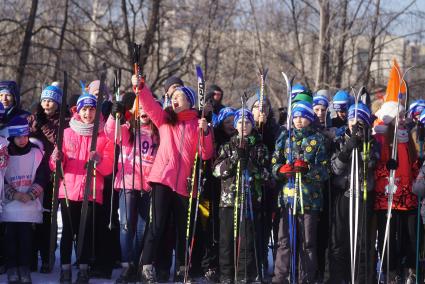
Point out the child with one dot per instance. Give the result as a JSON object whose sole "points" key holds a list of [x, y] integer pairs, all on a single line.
{"points": [[225, 168], [44, 127], [341, 102], [308, 159], [25, 178], [339, 251], [76, 153], [134, 197], [179, 130]]}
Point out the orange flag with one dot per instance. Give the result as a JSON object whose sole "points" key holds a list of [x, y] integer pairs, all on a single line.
{"points": [[393, 86]]}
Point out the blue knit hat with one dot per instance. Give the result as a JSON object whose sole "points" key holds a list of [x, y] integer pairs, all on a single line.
{"points": [[243, 112], [86, 100], [422, 117], [363, 113], [2, 111], [303, 109], [53, 93], [12, 88], [18, 126], [298, 88], [320, 100], [189, 93], [222, 115], [416, 108], [342, 101]]}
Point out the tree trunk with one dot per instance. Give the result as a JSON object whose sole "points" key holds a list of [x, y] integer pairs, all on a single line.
{"points": [[93, 35], [150, 33], [26, 44], [323, 56], [56, 74], [371, 53], [127, 32], [341, 48]]}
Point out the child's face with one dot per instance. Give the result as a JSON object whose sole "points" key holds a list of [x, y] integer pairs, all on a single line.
{"points": [[320, 112], [172, 88], [49, 106], [342, 114], [21, 141], [143, 116], [246, 128], [301, 122], [228, 126], [6, 99], [179, 102], [87, 114]]}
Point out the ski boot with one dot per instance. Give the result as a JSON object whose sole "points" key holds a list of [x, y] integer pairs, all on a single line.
{"points": [[211, 275], [411, 277], [66, 276], [148, 274], [179, 277], [83, 276], [128, 274], [25, 275], [12, 275]]}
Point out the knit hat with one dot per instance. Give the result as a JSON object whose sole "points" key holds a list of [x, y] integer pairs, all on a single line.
{"points": [[189, 93], [10, 87], [363, 113], [422, 117], [303, 109], [322, 92], [320, 100], [243, 112], [18, 126], [171, 81], [214, 88], [86, 100], [304, 96], [342, 101], [222, 115], [297, 88], [94, 87], [53, 93], [255, 98], [388, 110], [416, 108]]}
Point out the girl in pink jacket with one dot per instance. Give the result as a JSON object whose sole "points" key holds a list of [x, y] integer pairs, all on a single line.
{"points": [[179, 130], [76, 153], [133, 188]]}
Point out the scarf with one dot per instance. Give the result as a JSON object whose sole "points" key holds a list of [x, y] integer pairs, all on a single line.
{"points": [[82, 128]]}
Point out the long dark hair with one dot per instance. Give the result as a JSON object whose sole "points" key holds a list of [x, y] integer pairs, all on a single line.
{"points": [[153, 128], [171, 116]]}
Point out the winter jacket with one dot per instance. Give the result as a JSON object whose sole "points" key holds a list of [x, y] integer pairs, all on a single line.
{"points": [[226, 165], [176, 153], [403, 198], [308, 145], [341, 169], [149, 148], [26, 172], [76, 150], [45, 129]]}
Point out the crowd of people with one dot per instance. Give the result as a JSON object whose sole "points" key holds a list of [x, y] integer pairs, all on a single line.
{"points": [[219, 190]]}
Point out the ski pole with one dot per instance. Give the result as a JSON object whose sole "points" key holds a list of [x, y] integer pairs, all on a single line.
{"points": [[421, 136], [235, 220], [94, 213], [189, 217], [252, 218]]}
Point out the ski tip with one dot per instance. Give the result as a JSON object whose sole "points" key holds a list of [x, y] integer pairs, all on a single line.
{"points": [[199, 73]]}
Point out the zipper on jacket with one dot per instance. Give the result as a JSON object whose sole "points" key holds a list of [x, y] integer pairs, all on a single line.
{"points": [[180, 155]]}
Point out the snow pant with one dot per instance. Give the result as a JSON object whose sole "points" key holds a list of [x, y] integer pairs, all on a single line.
{"points": [[71, 223], [402, 239], [306, 230], [245, 253], [134, 214], [42, 231], [165, 200], [339, 250], [18, 240]]}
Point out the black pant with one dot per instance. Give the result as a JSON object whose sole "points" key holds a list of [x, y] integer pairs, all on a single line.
{"points": [[165, 200], [306, 230], [42, 231], [17, 243], [71, 222], [402, 239], [246, 264], [339, 251], [323, 233]]}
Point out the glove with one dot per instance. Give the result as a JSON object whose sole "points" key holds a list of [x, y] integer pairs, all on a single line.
{"points": [[118, 108], [351, 143], [301, 166], [420, 161], [243, 157], [392, 164], [287, 170], [40, 116], [57, 155]]}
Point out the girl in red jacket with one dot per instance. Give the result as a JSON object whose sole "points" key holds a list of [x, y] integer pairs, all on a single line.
{"points": [[179, 130], [132, 186], [76, 153]]}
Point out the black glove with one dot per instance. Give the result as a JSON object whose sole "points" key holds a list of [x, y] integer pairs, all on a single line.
{"points": [[351, 143], [420, 161], [392, 164], [243, 157], [117, 108]]}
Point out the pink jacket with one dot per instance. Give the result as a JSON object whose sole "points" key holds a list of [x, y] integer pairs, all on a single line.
{"points": [[176, 153], [76, 150], [149, 148]]}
